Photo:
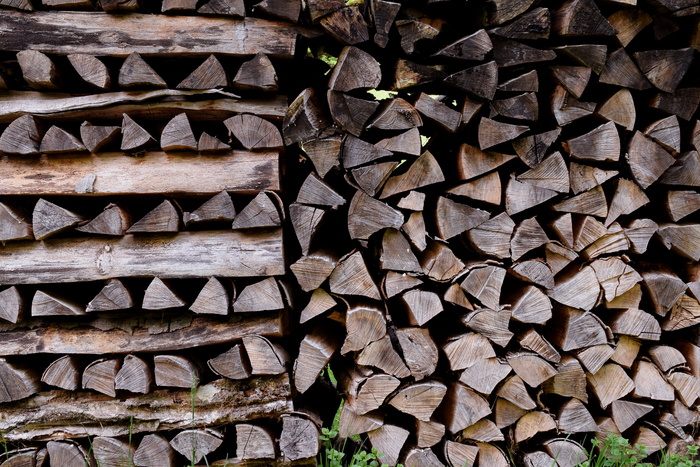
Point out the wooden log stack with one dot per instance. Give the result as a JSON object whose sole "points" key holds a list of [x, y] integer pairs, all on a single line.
{"points": [[481, 216]]}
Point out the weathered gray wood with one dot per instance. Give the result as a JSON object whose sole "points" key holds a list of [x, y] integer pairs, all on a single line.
{"points": [[138, 104], [186, 255], [220, 402], [154, 173], [102, 34], [145, 335]]}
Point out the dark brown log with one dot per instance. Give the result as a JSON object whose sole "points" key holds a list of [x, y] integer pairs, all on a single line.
{"points": [[396, 114], [472, 47], [481, 80], [178, 6], [447, 118], [453, 218], [20, 5], [423, 171], [367, 215], [551, 174], [412, 31], [532, 25], [573, 78], [177, 135], [620, 70], [383, 15], [195, 444], [472, 162], [324, 153], [346, 25], [97, 137], [629, 22], [521, 107], [355, 69], [288, 11], [486, 189], [99, 375], [315, 191], [581, 18], [664, 68], [566, 109], [501, 11], [254, 132], [532, 149], [223, 7], [304, 120], [350, 113], [509, 53], [319, 303], [154, 449], [91, 70], [527, 82], [683, 103]]}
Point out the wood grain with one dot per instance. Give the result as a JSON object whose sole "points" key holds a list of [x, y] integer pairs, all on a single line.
{"points": [[149, 173], [103, 34], [185, 255]]}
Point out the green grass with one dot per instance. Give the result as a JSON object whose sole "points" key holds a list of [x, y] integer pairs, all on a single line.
{"points": [[616, 451]]}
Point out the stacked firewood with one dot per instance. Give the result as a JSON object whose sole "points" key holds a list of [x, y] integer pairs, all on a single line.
{"points": [[498, 226], [143, 302]]}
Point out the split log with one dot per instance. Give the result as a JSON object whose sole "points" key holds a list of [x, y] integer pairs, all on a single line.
{"points": [[97, 137], [304, 120], [38, 70], [664, 68], [481, 80], [99, 375], [566, 452], [19, 382], [566, 108], [621, 71], [351, 423], [136, 73], [364, 324], [22, 136], [463, 407], [527, 82], [313, 269], [484, 375], [254, 442], [49, 304], [254, 132], [453, 218], [396, 114], [626, 413], [13, 225], [315, 352], [484, 284], [175, 371], [163, 218], [213, 299], [232, 364], [266, 358], [389, 440], [177, 135], [264, 295], [531, 424], [154, 449], [619, 108], [161, 296], [205, 37], [577, 330], [428, 434], [91, 70], [647, 160], [299, 438], [610, 383], [217, 208], [134, 136], [134, 376], [509, 53], [57, 141], [94, 415], [492, 324], [346, 25], [521, 196], [68, 453], [112, 452], [49, 219], [113, 296], [113, 220], [259, 213], [381, 354], [195, 444], [570, 380], [419, 351]]}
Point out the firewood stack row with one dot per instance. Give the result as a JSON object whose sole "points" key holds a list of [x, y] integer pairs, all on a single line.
{"points": [[143, 306], [498, 226]]}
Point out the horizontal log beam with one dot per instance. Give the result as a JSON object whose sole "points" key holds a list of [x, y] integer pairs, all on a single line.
{"points": [[132, 335], [60, 414], [103, 34], [185, 255], [150, 173], [140, 105]]}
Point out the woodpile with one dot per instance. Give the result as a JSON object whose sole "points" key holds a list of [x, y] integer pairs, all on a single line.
{"points": [[481, 216]]}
